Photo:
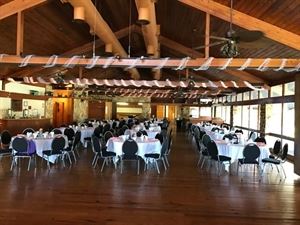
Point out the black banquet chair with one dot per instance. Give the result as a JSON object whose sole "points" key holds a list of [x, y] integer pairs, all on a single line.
{"points": [[130, 149], [214, 155], [278, 161], [5, 140], [20, 146], [57, 148], [251, 155]]}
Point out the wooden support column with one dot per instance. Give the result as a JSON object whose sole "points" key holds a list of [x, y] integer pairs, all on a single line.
{"points": [[231, 116], [20, 33], [207, 34], [297, 126], [262, 119]]}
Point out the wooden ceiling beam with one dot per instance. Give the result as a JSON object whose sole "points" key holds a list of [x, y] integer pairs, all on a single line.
{"points": [[20, 33], [16, 6], [99, 26], [207, 34], [150, 31], [245, 21], [151, 63], [81, 50]]}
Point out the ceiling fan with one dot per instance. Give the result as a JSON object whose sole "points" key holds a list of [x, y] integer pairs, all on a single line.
{"points": [[233, 40]]}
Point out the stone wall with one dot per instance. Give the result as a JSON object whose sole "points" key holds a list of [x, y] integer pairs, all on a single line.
{"points": [[80, 112]]}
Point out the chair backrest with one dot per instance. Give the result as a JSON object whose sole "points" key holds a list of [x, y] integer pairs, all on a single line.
{"points": [[58, 143], [69, 132], [114, 125], [285, 150], [125, 127], [76, 139], [98, 131], [160, 137], [205, 139], [120, 132], [239, 131], [20, 144], [107, 135], [130, 148], [28, 130], [56, 131], [215, 129], [212, 149], [5, 137], [127, 132], [261, 139], [139, 134], [106, 127], [251, 152], [252, 136], [144, 133], [96, 144], [277, 147]]}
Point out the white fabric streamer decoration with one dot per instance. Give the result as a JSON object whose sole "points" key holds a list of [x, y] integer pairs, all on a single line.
{"points": [[205, 65], [134, 83], [212, 84], [117, 83], [32, 80], [106, 82], [204, 85], [182, 84], [264, 65], [96, 82], [157, 84], [92, 62], [25, 61], [246, 64], [226, 64], [146, 83], [26, 80], [124, 83], [170, 83], [135, 61], [252, 87], [183, 63], [51, 61], [234, 84], [223, 84], [282, 65], [162, 64], [108, 62], [1, 56], [297, 68], [53, 81], [72, 62]]}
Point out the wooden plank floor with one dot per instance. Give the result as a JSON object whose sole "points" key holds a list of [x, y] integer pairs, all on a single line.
{"points": [[182, 195]]}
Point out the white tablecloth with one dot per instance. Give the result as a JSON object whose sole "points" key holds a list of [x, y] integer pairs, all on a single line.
{"points": [[152, 134], [114, 144], [85, 132]]}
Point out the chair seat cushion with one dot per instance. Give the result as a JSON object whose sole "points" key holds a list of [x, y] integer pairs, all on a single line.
{"points": [[152, 155], [270, 160], [49, 152], [242, 161], [129, 157], [205, 152], [87, 139], [222, 158], [108, 154], [5, 151]]}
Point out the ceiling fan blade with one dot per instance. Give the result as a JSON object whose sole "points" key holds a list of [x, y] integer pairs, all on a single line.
{"points": [[210, 45], [250, 35], [261, 43], [219, 38]]}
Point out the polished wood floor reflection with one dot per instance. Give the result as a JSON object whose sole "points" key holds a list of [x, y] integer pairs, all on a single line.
{"points": [[182, 195]]}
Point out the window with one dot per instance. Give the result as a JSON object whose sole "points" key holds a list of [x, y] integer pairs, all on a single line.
{"points": [[233, 98], [194, 112], [254, 94], [237, 115], [245, 117], [227, 116], [291, 146], [254, 117], [263, 94], [273, 118], [289, 88], [276, 91], [246, 96], [239, 97], [205, 111], [219, 111], [228, 99], [288, 128]]}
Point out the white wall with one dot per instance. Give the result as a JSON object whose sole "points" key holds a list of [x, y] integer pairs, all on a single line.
{"points": [[23, 88]]}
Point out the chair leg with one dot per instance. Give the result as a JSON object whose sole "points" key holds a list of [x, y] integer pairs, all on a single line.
{"points": [[138, 166], [74, 156], [283, 170], [28, 167], [121, 166], [94, 159], [146, 164], [48, 163], [68, 155], [12, 163], [163, 160], [203, 161], [157, 167], [218, 168], [104, 161], [167, 161]]}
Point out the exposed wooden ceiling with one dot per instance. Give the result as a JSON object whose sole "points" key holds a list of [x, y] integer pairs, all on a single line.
{"points": [[49, 29]]}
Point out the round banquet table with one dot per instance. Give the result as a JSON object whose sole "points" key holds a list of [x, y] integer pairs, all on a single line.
{"points": [[145, 146]]}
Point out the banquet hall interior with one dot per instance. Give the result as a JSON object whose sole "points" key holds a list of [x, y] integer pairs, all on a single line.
{"points": [[149, 112]]}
